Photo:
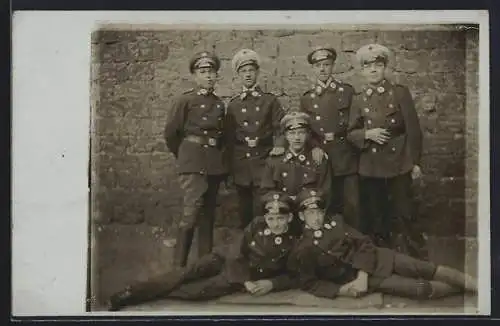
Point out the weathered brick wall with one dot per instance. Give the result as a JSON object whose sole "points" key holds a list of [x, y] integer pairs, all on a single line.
{"points": [[136, 75]]}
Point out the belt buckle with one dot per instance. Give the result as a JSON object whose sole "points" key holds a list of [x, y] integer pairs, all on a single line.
{"points": [[329, 136], [252, 143], [212, 141]]}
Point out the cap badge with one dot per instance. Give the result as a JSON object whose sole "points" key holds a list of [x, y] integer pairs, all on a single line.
{"points": [[278, 240]]}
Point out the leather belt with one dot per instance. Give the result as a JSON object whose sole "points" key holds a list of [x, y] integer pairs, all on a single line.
{"points": [[253, 142], [330, 136], [202, 140]]}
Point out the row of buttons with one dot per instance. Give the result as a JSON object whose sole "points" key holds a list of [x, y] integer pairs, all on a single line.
{"points": [[369, 121], [316, 242], [391, 106], [245, 123], [374, 150], [285, 174], [244, 110]]}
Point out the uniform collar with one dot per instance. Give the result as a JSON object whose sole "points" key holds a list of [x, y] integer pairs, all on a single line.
{"points": [[290, 155], [331, 84], [380, 88], [255, 91], [205, 91]]}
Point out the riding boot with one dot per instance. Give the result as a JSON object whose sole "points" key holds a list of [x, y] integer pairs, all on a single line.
{"points": [[455, 277], [441, 290], [183, 246]]}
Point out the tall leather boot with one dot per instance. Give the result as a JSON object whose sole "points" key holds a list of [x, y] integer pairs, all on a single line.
{"points": [[183, 246], [455, 277], [441, 290]]}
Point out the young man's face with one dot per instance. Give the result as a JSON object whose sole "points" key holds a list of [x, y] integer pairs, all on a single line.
{"points": [[313, 217], [205, 77], [248, 75], [278, 223], [373, 72], [323, 69], [297, 138]]}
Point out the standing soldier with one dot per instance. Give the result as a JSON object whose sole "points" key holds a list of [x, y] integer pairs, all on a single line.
{"points": [[252, 132], [328, 103], [296, 167], [384, 125], [259, 266], [193, 134]]}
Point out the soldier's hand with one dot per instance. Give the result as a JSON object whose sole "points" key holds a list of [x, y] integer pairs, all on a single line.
{"points": [[416, 173], [278, 150], [378, 135], [229, 182], [263, 287], [360, 284], [347, 290], [250, 286], [318, 155]]}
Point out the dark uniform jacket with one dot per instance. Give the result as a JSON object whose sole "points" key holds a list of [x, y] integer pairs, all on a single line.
{"points": [[261, 255], [325, 259], [201, 115], [389, 106], [252, 129], [329, 111], [290, 173]]}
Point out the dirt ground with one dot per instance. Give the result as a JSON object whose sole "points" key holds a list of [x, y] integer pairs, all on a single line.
{"points": [[124, 254]]}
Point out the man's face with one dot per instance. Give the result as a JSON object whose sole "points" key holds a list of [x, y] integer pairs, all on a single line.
{"points": [[373, 72], [297, 138], [248, 75], [323, 69], [205, 77], [313, 217], [278, 223]]}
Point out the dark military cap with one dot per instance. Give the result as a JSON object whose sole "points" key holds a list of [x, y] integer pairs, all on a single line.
{"points": [[321, 53], [276, 202], [245, 57], [310, 198], [204, 59], [371, 53]]}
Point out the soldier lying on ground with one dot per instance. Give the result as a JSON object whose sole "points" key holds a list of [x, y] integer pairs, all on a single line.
{"points": [[258, 267], [334, 259]]}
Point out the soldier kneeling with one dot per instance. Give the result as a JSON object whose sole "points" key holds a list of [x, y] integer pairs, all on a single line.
{"points": [[258, 267], [333, 259]]}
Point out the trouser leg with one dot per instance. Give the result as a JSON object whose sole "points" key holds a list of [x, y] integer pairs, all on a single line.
{"points": [[418, 289], [206, 220], [162, 284], [406, 233], [245, 204], [374, 203], [350, 200], [335, 204], [205, 289], [194, 187]]}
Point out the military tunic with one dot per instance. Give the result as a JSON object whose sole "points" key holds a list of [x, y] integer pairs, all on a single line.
{"points": [[193, 133], [251, 130], [385, 170], [327, 258], [259, 255], [329, 106]]}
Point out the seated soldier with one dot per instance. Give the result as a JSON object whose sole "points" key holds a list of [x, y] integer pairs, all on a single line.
{"points": [[296, 167], [259, 266], [333, 259]]}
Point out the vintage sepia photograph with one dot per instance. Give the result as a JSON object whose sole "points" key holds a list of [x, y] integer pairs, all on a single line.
{"points": [[284, 169]]}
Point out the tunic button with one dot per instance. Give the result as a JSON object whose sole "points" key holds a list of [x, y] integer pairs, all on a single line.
{"points": [[393, 120], [367, 110], [315, 106], [204, 118], [305, 175], [315, 242], [218, 106], [206, 146], [374, 150], [284, 189], [321, 129], [341, 138], [257, 123], [341, 113], [256, 153], [346, 233], [393, 149], [205, 132], [391, 106], [243, 110], [248, 154], [369, 122], [318, 117], [202, 106], [245, 123], [257, 109]]}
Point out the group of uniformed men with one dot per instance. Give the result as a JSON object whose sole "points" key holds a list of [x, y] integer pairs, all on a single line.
{"points": [[307, 180]]}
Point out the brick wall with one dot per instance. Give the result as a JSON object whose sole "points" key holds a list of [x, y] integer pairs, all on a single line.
{"points": [[136, 75]]}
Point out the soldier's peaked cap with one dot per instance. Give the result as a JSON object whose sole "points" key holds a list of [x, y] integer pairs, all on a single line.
{"points": [[276, 202], [294, 120], [244, 57], [310, 198], [320, 53], [371, 53], [204, 59]]}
